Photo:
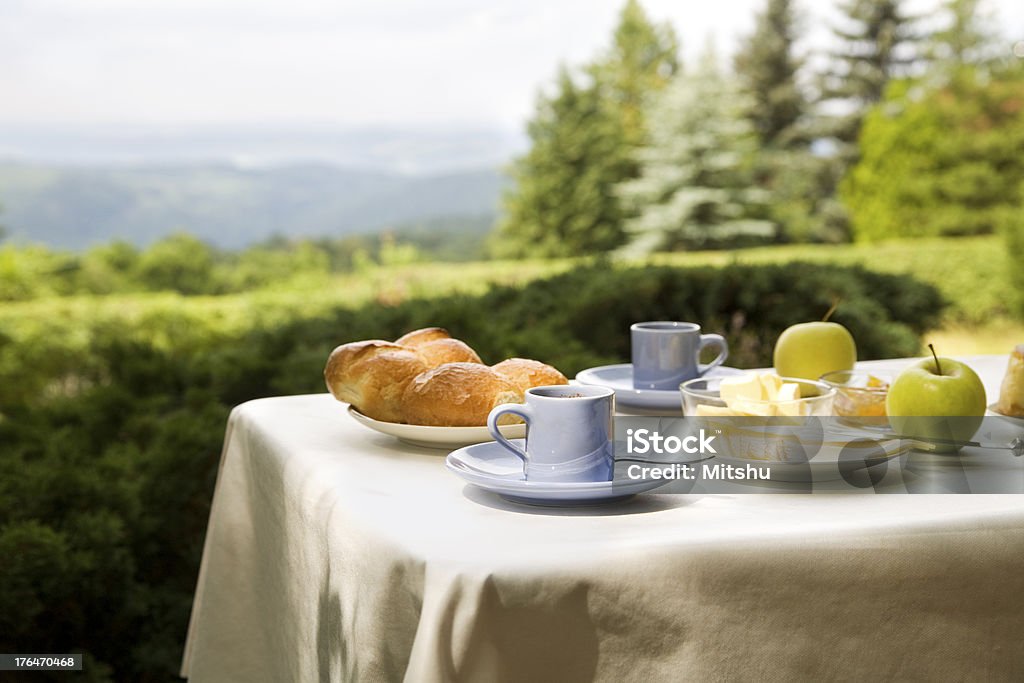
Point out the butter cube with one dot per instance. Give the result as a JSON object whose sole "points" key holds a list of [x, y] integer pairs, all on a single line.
{"points": [[770, 386], [789, 391], [741, 387], [788, 394]]}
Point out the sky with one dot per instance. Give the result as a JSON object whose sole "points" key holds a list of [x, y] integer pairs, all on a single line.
{"points": [[444, 64]]}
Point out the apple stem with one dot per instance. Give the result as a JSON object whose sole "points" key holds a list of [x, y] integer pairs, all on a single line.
{"points": [[835, 305], [938, 368]]}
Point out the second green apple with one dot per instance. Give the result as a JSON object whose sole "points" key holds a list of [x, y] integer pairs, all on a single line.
{"points": [[810, 350], [937, 398]]}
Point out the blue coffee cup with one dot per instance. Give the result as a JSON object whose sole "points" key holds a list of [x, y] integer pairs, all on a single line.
{"points": [[569, 433], [666, 353]]}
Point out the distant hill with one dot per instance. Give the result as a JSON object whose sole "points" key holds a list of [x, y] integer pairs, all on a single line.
{"points": [[419, 150], [74, 207]]}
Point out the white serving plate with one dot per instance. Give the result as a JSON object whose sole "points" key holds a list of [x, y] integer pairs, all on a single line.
{"points": [[1019, 421], [436, 437]]}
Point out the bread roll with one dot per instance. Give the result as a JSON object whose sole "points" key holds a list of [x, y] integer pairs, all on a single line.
{"points": [[456, 395], [442, 351], [525, 373], [437, 347], [372, 375], [419, 337], [428, 378], [1011, 393]]}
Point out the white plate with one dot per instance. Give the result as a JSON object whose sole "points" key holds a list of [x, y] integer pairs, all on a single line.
{"points": [[619, 378], [1019, 421], [491, 467], [436, 437]]}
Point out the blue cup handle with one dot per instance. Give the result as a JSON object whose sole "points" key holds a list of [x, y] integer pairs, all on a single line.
{"points": [[520, 409], [714, 340]]}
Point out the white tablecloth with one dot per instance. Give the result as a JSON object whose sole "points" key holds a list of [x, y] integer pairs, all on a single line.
{"points": [[335, 553]]}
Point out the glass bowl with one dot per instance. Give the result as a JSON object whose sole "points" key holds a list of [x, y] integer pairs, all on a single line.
{"points": [[816, 398], [860, 396], [775, 431]]}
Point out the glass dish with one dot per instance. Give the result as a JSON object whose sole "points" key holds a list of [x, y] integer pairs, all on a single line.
{"points": [[789, 431], [816, 398], [860, 397]]}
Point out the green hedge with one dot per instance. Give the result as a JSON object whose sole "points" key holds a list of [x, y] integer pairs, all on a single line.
{"points": [[582, 318], [1014, 237], [110, 433]]}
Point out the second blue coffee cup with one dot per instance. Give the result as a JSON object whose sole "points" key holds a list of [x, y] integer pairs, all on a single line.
{"points": [[666, 353]]}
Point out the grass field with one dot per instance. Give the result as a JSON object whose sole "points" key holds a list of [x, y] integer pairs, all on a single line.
{"points": [[972, 274]]}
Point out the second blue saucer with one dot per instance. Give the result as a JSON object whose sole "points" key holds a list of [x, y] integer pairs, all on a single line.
{"points": [[619, 378]]}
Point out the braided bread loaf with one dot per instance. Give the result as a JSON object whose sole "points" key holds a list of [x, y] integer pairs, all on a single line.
{"points": [[426, 377]]}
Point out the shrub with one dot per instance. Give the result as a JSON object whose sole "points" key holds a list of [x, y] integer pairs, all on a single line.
{"points": [[177, 263], [582, 318]]}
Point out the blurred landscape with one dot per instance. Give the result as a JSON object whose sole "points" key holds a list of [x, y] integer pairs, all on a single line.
{"points": [[411, 150], [154, 275], [231, 207]]}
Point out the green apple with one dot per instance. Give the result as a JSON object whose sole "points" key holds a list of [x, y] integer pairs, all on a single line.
{"points": [[810, 350], [937, 398]]}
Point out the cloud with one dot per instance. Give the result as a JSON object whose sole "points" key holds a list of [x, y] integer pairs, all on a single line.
{"points": [[397, 62]]}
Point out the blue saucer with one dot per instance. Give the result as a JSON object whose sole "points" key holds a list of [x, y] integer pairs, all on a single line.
{"points": [[491, 467], [619, 378]]}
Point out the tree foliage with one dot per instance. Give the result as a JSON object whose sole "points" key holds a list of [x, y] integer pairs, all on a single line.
{"points": [[183, 264], [941, 160], [768, 67], [643, 58], [582, 139], [561, 202], [696, 183], [1014, 237], [967, 38], [179, 261], [877, 42]]}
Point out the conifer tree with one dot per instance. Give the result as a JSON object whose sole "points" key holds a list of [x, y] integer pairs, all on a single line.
{"points": [[768, 66], [643, 58], [968, 37], [696, 185], [562, 203], [877, 42], [583, 137]]}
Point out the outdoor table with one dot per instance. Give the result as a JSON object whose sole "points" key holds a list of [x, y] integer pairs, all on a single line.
{"points": [[336, 553]]}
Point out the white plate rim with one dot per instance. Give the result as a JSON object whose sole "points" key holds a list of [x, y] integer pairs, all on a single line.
{"points": [[991, 408], [666, 398], [462, 436]]}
